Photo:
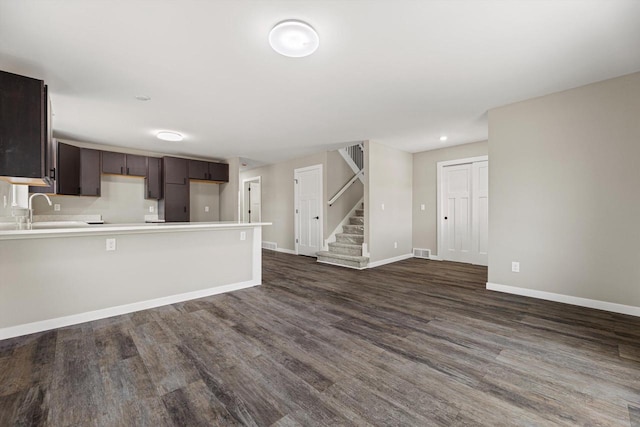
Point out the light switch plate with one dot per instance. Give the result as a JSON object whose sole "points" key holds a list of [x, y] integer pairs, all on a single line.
{"points": [[243, 235], [206, 208], [515, 267], [422, 207], [383, 206], [152, 209], [56, 207], [111, 244]]}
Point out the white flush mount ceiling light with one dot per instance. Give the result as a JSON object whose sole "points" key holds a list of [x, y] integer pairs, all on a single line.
{"points": [[443, 138], [169, 136], [294, 39], [143, 98]]}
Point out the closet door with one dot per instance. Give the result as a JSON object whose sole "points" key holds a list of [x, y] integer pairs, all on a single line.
{"points": [[457, 237], [480, 208]]}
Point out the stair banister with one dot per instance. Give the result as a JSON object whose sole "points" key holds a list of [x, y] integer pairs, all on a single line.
{"points": [[345, 187]]}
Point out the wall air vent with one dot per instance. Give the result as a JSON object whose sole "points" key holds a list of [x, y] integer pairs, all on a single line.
{"points": [[421, 253], [269, 245]]}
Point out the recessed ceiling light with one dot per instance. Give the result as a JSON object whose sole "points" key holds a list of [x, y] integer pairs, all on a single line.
{"points": [[143, 98], [443, 138], [294, 39], [169, 136]]}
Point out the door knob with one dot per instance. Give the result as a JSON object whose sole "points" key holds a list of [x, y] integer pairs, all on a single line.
{"points": [[316, 217], [445, 217]]}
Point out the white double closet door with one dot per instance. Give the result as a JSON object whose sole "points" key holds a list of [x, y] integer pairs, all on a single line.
{"points": [[464, 212]]}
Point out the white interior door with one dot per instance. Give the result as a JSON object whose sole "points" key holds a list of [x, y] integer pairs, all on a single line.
{"points": [[480, 207], [308, 210], [457, 238], [255, 202]]}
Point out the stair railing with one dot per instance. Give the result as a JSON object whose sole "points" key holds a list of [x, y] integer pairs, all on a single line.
{"points": [[345, 187]]}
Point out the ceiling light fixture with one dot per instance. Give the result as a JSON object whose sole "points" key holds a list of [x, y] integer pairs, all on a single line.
{"points": [[443, 138], [169, 136], [143, 98], [294, 39]]}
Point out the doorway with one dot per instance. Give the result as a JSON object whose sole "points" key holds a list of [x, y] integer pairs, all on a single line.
{"points": [[308, 209], [252, 199], [463, 210]]}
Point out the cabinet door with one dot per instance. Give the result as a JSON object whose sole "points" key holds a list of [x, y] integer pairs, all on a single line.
{"points": [[68, 170], [198, 169], [136, 165], [154, 178], [22, 126], [175, 170], [89, 172], [219, 172], [113, 163], [176, 202]]}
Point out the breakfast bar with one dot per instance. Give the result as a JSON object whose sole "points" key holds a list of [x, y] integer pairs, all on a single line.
{"points": [[54, 277]]}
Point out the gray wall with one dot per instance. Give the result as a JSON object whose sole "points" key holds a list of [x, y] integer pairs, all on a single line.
{"points": [[564, 197], [425, 227], [389, 182], [230, 193], [121, 201], [202, 195], [278, 198]]}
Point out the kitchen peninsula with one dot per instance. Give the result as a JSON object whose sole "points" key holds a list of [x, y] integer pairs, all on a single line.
{"points": [[51, 278]]}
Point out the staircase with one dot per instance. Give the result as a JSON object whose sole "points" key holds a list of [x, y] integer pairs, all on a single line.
{"points": [[346, 251]]}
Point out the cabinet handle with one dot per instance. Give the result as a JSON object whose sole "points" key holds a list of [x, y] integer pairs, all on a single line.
{"points": [[53, 173], [121, 170], [127, 171], [184, 181], [97, 191], [185, 209]]}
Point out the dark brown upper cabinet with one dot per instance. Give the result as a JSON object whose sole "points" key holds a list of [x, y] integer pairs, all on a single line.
{"points": [[153, 179], [78, 171], [25, 141], [123, 164], [175, 170], [208, 171]]}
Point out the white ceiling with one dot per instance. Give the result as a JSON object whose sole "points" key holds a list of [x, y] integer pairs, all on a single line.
{"points": [[398, 72]]}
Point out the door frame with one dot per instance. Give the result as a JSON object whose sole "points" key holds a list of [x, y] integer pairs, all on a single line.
{"points": [[296, 221], [440, 194], [243, 208]]}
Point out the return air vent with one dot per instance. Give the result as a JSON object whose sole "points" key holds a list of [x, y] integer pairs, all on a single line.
{"points": [[270, 245], [422, 253]]}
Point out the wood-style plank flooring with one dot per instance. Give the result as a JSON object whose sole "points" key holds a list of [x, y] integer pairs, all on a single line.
{"points": [[412, 343]]}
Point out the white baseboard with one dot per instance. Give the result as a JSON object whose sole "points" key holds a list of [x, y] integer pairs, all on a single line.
{"points": [[567, 299], [435, 258], [390, 260], [74, 319], [273, 246]]}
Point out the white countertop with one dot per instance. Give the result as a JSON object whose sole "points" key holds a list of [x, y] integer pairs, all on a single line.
{"points": [[93, 230]]}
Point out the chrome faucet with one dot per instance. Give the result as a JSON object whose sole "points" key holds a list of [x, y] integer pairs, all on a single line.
{"points": [[30, 218]]}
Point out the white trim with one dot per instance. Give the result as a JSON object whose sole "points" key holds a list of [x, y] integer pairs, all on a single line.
{"points": [[345, 220], [435, 258], [567, 299], [390, 260], [275, 248], [439, 195], [295, 205], [74, 319], [243, 208]]}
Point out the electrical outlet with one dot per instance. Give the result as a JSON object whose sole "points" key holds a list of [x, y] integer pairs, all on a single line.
{"points": [[56, 207], [206, 208], [111, 244], [395, 245], [152, 209], [515, 267], [243, 235], [422, 207]]}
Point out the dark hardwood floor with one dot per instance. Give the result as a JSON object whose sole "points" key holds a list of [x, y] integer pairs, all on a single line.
{"points": [[412, 343]]}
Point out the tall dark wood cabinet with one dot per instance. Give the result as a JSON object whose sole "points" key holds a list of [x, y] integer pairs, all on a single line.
{"points": [[78, 171], [174, 205], [24, 130], [153, 181]]}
